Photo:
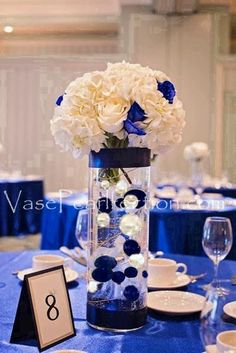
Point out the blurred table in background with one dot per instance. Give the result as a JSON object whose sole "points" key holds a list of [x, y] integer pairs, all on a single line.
{"points": [[180, 231], [59, 219], [177, 231], [21, 204]]}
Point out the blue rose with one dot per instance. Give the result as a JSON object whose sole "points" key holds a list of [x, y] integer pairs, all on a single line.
{"points": [[59, 100], [167, 89], [135, 114]]}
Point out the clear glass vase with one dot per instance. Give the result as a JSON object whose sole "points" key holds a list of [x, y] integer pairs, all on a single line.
{"points": [[118, 238]]}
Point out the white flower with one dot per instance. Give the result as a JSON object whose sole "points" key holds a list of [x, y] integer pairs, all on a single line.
{"points": [[112, 112], [96, 105], [196, 151]]}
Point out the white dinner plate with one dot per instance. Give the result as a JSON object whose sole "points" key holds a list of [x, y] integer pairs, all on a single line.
{"points": [[71, 275], [175, 302], [230, 309], [181, 280]]}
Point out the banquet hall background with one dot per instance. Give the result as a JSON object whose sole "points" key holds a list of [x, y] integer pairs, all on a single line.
{"points": [[45, 45]]}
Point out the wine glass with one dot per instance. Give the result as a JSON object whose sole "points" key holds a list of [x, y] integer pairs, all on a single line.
{"points": [[219, 315], [81, 229], [217, 240]]}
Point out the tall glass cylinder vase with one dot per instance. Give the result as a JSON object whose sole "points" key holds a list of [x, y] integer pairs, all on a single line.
{"points": [[118, 238]]}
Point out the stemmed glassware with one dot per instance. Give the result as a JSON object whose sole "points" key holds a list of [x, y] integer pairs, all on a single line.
{"points": [[217, 240], [81, 230], [218, 316]]}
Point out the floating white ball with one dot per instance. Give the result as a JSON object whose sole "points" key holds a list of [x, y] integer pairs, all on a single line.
{"points": [[105, 184], [137, 260], [130, 202], [92, 286], [103, 220], [130, 225], [121, 187]]}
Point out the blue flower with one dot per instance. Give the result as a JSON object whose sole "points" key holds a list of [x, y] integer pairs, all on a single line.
{"points": [[59, 100], [167, 89], [135, 114]]}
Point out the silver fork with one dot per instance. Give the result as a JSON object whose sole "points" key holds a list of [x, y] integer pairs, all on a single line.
{"points": [[195, 278]]}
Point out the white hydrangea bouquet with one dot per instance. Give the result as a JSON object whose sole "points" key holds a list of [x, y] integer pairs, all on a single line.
{"points": [[197, 151], [127, 105]]}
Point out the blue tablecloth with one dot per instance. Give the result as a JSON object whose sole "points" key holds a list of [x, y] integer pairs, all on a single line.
{"points": [[20, 211], [180, 231], [177, 232], [161, 334], [59, 221]]}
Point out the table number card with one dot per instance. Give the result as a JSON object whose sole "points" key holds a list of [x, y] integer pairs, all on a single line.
{"points": [[44, 310]]}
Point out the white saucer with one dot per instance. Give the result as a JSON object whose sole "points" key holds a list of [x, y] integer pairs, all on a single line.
{"points": [[71, 275], [181, 280], [211, 349], [175, 302], [230, 309]]}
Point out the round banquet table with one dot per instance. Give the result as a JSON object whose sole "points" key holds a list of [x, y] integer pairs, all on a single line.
{"points": [[20, 208], [172, 231], [161, 334], [224, 191], [180, 231]]}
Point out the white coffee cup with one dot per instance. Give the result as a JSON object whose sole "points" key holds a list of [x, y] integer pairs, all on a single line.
{"points": [[226, 342], [45, 261], [164, 270]]}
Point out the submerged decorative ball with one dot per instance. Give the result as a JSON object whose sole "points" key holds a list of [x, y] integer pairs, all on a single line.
{"points": [[103, 220], [120, 202], [140, 194], [118, 277], [106, 262], [130, 225], [121, 187], [131, 202], [102, 274], [104, 204], [145, 274], [131, 247], [131, 293], [93, 286], [137, 260], [131, 272], [105, 184]]}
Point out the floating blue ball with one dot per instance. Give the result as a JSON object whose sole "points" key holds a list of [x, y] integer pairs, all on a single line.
{"points": [[140, 194], [102, 274], [118, 277], [104, 204], [105, 262], [131, 272], [145, 274], [119, 202], [131, 247], [131, 293]]}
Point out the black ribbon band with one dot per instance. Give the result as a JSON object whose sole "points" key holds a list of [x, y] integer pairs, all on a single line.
{"points": [[132, 157]]}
